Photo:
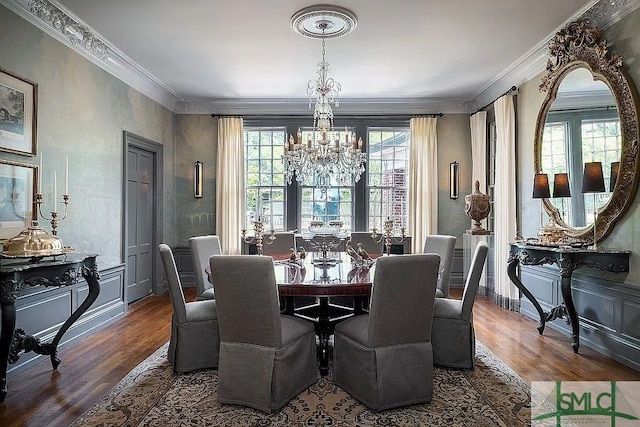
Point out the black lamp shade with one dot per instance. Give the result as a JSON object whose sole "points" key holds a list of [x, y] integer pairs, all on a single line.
{"points": [[561, 185], [592, 179], [615, 169], [541, 186]]}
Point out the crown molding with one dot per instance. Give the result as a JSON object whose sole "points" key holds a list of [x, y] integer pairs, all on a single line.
{"points": [[349, 106], [61, 24]]}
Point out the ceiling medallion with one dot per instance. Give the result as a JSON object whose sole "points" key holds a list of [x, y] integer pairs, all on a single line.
{"points": [[323, 22]]}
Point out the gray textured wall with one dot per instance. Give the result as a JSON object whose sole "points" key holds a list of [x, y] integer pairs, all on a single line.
{"points": [[623, 38], [196, 137], [454, 143], [82, 113]]}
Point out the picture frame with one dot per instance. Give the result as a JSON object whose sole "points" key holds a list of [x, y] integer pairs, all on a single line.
{"points": [[18, 111], [17, 204]]}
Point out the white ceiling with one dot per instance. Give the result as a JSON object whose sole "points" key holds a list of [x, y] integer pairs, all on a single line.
{"points": [[426, 53]]}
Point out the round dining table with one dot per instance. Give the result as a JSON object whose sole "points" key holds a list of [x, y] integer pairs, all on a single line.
{"points": [[338, 289]]}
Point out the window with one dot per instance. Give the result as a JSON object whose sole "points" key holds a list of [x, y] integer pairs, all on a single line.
{"points": [[264, 181], [334, 204], [381, 191], [571, 139], [388, 176]]}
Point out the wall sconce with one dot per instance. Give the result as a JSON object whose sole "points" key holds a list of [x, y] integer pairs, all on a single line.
{"points": [[198, 179], [453, 180]]}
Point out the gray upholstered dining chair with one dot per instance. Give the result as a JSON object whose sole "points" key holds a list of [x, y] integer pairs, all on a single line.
{"points": [[444, 246], [265, 358], [202, 247], [453, 336], [195, 339], [281, 245], [384, 359]]}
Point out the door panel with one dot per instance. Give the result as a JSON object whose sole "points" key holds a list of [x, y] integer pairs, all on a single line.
{"points": [[139, 223]]}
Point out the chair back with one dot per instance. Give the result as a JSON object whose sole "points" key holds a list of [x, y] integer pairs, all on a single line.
{"points": [[281, 245], [173, 280], [203, 247], [368, 244], [444, 246], [402, 299], [247, 299], [473, 279]]}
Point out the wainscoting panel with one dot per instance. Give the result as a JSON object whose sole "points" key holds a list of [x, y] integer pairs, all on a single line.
{"points": [[41, 311], [631, 315], [184, 264], [609, 311]]}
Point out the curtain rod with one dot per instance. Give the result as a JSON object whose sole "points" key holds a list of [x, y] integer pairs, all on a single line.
{"points": [[512, 90], [345, 116]]}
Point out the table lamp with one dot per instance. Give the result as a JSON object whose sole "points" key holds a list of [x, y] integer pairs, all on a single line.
{"points": [[615, 168], [541, 189], [593, 182], [561, 187]]}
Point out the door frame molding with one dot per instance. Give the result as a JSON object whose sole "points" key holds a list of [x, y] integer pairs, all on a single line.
{"points": [[131, 140]]}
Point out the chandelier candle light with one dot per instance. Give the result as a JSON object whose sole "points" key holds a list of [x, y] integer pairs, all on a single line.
{"points": [[325, 154]]}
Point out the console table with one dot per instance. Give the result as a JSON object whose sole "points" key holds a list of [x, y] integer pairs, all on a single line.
{"points": [[568, 260], [16, 274]]}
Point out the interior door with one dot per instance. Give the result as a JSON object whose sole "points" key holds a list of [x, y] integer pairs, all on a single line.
{"points": [[140, 223]]}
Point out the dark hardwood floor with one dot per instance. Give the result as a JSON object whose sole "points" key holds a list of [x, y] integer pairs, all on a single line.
{"points": [[41, 396]]}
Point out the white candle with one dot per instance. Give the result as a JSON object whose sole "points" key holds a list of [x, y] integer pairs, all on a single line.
{"points": [[40, 175], [55, 192], [66, 176]]}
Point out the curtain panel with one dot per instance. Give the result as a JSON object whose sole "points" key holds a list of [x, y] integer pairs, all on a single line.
{"points": [[506, 294], [423, 181], [230, 186]]}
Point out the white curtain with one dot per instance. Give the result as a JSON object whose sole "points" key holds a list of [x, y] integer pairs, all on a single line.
{"points": [[230, 188], [478, 124], [506, 294], [423, 181]]}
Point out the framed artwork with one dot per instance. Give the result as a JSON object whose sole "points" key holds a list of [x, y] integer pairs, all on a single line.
{"points": [[17, 206], [17, 114]]}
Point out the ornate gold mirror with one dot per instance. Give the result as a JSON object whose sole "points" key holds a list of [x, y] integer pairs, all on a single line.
{"points": [[590, 114]]}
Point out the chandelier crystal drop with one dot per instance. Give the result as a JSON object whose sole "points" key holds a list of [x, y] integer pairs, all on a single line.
{"points": [[323, 154]]}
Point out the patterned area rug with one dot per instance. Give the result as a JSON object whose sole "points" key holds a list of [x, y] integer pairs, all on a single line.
{"points": [[152, 395]]}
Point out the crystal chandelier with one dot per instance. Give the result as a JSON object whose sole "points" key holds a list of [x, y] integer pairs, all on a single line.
{"points": [[323, 153]]}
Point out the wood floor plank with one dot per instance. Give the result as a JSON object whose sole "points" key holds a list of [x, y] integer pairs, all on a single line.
{"points": [[40, 396]]}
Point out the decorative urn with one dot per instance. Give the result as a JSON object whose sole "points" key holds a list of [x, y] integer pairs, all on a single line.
{"points": [[477, 208]]}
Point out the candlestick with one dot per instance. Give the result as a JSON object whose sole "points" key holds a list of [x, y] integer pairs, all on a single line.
{"points": [[40, 175], [66, 175], [55, 192]]}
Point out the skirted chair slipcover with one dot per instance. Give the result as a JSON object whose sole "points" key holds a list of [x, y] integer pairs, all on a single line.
{"points": [[453, 336], [384, 359], [195, 339], [203, 247], [444, 246], [265, 358]]}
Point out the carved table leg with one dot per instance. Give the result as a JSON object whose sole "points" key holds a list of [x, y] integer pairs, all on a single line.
{"points": [[323, 329], [6, 337], [512, 265], [565, 287], [91, 276]]}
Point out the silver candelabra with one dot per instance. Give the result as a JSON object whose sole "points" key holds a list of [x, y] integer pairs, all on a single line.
{"points": [[388, 235], [258, 235]]}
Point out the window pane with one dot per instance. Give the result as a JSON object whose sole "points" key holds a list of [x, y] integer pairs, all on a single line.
{"points": [[264, 181], [388, 176]]}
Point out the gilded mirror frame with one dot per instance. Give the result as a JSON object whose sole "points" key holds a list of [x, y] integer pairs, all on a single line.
{"points": [[581, 45]]}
